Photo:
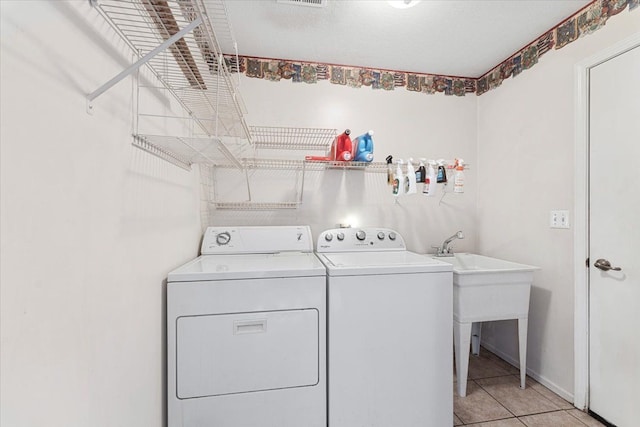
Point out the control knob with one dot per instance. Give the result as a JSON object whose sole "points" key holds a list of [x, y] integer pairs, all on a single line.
{"points": [[392, 235], [223, 238], [328, 237], [380, 235], [340, 236], [361, 235]]}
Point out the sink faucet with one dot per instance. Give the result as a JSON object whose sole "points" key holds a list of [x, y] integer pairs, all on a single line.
{"points": [[444, 249]]}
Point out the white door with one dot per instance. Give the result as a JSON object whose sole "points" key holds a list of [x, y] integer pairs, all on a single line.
{"points": [[614, 237]]}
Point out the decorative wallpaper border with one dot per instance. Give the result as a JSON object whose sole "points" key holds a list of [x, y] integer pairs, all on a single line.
{"points": [[356, 77], [585, 21]]}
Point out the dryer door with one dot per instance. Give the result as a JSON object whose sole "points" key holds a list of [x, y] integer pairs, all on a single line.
{"points": [[246, 352]]}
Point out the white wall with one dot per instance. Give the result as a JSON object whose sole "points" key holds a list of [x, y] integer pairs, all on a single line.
{"points": [[406, 124], [526, 169], [90, 227]]}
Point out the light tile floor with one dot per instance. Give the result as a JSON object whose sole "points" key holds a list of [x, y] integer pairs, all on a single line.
{"points": [[494, 399]]}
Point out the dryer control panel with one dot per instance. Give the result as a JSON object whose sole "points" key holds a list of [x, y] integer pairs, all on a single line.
{"points": [[257, 240], [360, 239]]}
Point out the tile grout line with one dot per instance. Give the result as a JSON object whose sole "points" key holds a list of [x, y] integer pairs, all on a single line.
{"points": [[490, 421], [579, 420], [550, 412], [497, 401], [522, 416], [534, 390], [558, 408], [489, 360]]}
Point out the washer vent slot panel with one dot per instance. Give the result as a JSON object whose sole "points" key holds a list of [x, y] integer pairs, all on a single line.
{"points": [[311, 3]]}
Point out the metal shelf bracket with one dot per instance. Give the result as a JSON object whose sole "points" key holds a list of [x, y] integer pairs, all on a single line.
{"points": [[140, 62]]}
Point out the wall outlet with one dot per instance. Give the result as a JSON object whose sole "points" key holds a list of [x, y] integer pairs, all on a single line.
{"points": [[559, 219]]}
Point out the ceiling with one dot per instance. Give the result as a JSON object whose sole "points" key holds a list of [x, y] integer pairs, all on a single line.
{"points": [[463, 38]]}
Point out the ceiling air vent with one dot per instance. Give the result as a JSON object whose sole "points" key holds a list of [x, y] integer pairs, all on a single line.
{"points": [[312, 3]]}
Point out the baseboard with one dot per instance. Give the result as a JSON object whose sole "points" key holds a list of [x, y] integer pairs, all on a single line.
{"points": [[533, 374]]}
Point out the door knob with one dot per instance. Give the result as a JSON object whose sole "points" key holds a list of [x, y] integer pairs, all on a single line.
{"points": [[605, 265]]}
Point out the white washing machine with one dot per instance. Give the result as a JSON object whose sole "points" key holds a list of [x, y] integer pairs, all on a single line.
{"points": [[390, 317], [246, 334]]}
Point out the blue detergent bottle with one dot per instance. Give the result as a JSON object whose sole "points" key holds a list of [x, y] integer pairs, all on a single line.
{"points": [[363, 148]]}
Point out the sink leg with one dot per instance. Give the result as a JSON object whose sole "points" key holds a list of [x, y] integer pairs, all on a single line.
{"points": [[476, 334], [522, 340], [461, 342]]}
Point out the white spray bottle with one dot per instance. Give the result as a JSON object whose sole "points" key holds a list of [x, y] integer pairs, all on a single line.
{"points": [[398, 181], [430, 179], [421, 174], [442, 172], [411, 176], [458, 178]]}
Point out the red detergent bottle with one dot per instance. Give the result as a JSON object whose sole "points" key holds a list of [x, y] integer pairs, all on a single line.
{"points": [[341, 147]]}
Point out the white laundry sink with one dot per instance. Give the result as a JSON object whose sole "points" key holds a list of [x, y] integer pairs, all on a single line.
{"points": [[487, 289], [472, 266]]}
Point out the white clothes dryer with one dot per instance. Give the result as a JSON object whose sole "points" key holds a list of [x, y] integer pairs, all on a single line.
{"points": [[390, 315], [246, 334]]}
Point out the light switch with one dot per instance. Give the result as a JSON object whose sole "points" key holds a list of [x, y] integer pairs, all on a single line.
{"points": [[559, 219]]}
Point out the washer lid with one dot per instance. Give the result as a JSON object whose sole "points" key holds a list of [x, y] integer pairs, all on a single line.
{"points": [[393, 262], [249, 266]]}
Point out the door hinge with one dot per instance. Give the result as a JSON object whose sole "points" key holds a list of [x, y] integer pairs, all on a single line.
{"points": [[587, 262]]}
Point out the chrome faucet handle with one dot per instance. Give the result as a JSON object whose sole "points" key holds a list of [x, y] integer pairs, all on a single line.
{"points": [[445, 250], [440, 251]]}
